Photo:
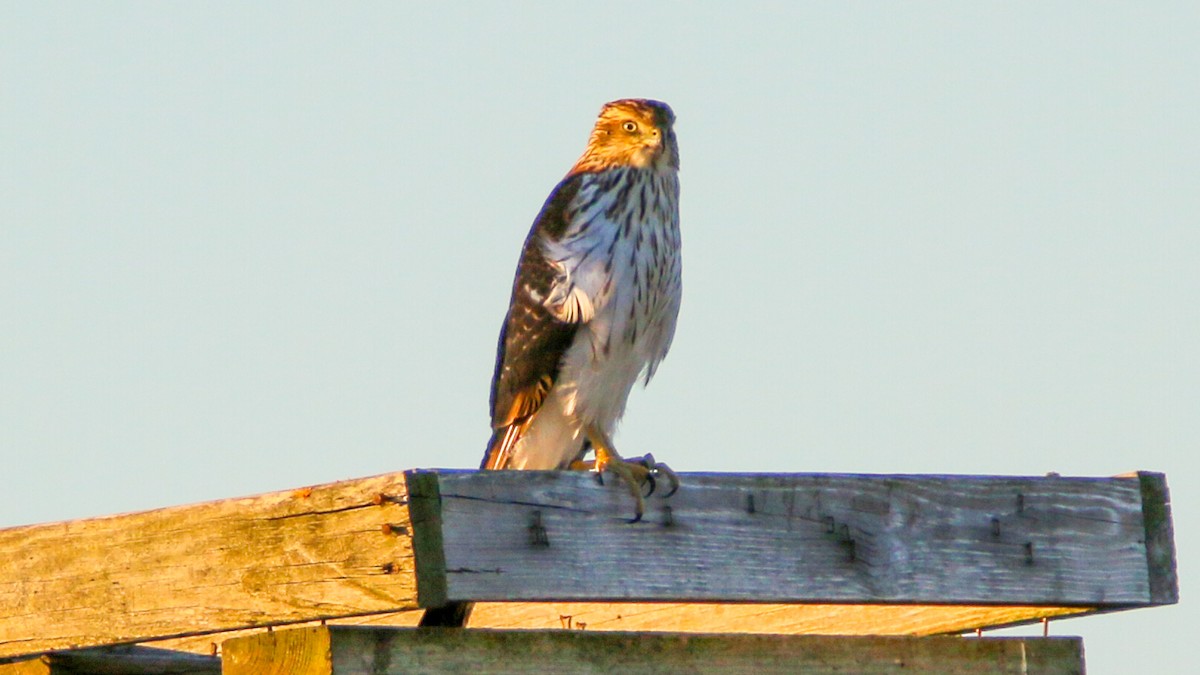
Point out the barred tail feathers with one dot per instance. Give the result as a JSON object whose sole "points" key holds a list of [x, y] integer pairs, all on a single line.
{"points": [[499, 452]]}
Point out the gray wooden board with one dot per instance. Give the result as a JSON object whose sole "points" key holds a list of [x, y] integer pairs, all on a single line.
{"points": [[379, 651], [542, 536], [1160, 537]]}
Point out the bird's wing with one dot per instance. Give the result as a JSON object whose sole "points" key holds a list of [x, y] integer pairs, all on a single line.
{"points": [[543, 316]]}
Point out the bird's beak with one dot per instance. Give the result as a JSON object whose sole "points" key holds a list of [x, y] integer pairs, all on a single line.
{"points": [[652, 147]]}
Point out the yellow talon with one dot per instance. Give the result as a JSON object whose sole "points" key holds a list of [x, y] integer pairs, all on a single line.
{"points": [[634, 473]]}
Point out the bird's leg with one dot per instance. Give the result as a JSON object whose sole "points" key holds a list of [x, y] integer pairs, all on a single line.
{"points": [[635, 473], [607, 459]]}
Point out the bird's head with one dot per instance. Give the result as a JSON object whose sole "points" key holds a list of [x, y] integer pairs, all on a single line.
{"points": [[632, 132]]}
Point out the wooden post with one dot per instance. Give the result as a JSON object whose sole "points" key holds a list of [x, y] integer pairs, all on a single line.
{"points": [[352, 650]]}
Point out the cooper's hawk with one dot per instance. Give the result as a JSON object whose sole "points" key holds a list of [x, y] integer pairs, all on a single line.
{"points": [[594, 303]]}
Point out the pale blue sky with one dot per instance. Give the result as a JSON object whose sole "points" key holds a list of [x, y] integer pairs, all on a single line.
{"points": [[252, 247]]}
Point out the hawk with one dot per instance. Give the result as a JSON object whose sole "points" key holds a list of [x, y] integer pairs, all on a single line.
{"points": [[594, 301], [593, 306]]}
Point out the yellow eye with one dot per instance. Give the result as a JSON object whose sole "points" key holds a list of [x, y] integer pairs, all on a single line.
{"points": [[630, 126]]}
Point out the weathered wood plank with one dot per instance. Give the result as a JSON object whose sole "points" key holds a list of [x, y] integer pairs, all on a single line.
{"points": [[272, 559], [1160, 538], [425, 513], [124, 660], [322, 553], [913, 620], [963, 540], [32, 666], [334, 650]]}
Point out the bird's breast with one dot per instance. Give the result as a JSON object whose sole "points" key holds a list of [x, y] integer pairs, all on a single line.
{"points": [[626, 257], [623, 252]]}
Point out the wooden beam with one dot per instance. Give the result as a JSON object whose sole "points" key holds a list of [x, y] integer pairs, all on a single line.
{"points": [[862, 554], [125, 660], [795, 538], [913, 620], [31, 666], [338, 650], [277, 558], [1160, 537]]}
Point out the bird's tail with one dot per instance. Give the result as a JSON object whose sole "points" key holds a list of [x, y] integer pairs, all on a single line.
{"points": [[499, 451]]}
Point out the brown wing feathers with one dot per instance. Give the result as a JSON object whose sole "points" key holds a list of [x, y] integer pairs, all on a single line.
{"points": [[532, 340]]}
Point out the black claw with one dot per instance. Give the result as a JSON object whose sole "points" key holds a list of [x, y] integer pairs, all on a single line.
{"points": [[664, 470], [600, 477], [652, 483], [636, 518], [674, 489]]}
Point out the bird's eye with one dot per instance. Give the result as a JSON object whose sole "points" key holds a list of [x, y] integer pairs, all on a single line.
{"points": [[630, 126]]}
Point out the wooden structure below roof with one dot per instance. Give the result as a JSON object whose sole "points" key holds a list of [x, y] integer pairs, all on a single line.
{"points": [[799, 554]]}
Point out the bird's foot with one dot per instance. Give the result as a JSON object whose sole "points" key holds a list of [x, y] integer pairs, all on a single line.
{"points": [[635, 473], [656, 469]]}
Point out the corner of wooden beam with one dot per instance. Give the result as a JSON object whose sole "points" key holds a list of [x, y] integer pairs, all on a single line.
{"points": [[425, 513], [1160, 538], [292, 651], [339, 549]]}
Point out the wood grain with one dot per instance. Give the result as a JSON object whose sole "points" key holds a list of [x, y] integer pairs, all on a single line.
{"points": [[380, 651], [1160, 537], [794, 553], [295, 651], [31, 666], [272, 559], [796, 538], [914, 620]]}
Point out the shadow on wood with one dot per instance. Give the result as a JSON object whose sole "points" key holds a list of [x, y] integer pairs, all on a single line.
{"points": [[126, 660]]}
